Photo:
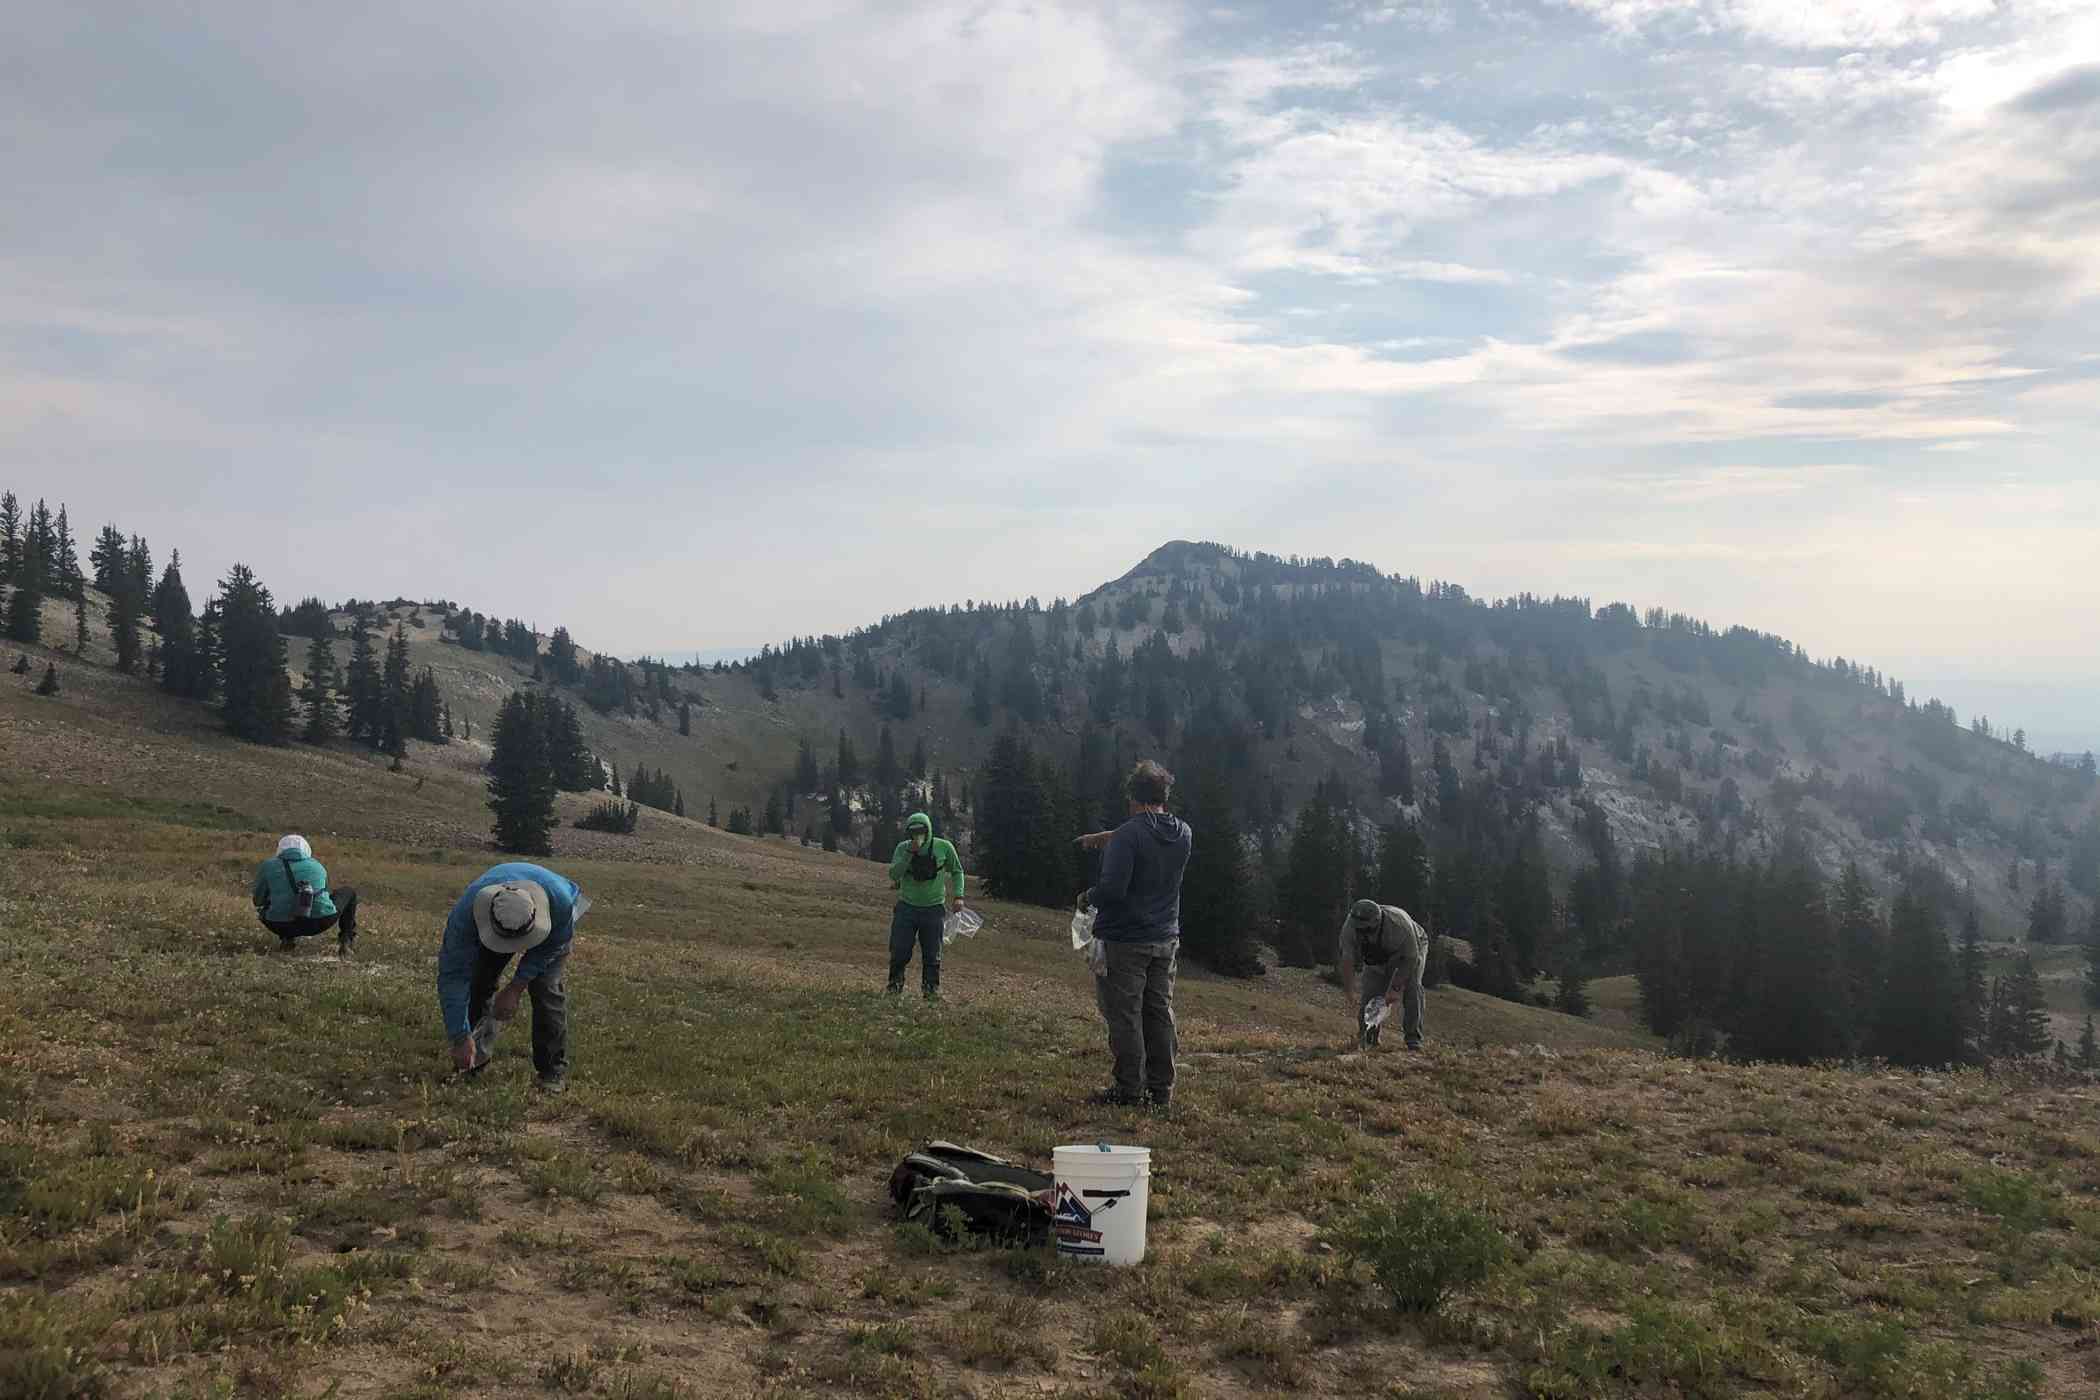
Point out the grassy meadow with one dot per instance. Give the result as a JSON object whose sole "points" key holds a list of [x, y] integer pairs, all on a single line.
{"points": [[226, 1171]]}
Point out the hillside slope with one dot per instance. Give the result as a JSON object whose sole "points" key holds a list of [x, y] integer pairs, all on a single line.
{"points": [[224, 1170]]}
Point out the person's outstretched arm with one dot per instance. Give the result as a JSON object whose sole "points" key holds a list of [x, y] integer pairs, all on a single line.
{"points": [[457, 955], [1116, 865]]}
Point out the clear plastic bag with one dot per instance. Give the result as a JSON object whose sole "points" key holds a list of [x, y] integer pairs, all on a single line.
{"points": [[965, 922], [1082, 929], [1376, 1010]]}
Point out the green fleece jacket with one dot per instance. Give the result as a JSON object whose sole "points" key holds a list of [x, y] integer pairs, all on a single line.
{"points": [[923, 894]]}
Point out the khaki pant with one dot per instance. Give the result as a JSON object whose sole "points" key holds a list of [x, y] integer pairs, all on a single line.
{"points": [[1380, 978], [1136, 992]]}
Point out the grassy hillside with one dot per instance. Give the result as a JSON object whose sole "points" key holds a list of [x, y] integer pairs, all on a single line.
{"points": [[226, 1171]]}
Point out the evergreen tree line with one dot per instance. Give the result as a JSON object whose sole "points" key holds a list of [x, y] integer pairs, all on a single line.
{"points": [[1787, 967], [235, 651]]}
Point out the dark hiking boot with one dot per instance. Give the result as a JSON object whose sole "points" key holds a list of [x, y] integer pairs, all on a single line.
{"points": [[346, 948], [894, 989], [287, 945], [1160, 1103], [554, 1084]]}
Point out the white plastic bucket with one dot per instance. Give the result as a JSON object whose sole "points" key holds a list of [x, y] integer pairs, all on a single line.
{"points": [[1102, 1192]]}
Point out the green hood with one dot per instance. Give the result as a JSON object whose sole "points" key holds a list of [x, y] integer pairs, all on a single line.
{"points": [[947, 879]]}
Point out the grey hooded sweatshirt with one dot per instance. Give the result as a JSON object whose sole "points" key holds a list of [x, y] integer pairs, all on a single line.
{"points": [[1138, 897]]}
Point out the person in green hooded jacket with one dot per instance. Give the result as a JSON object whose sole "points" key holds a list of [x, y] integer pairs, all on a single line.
{"points": [[929, 880]]}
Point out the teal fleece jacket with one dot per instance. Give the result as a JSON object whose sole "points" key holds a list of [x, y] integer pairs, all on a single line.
{"points": [[273, 894], [924, 894]]}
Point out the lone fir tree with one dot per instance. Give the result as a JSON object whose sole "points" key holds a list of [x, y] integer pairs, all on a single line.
{"points": [[521, 780], [258, 689], [49, 684]]}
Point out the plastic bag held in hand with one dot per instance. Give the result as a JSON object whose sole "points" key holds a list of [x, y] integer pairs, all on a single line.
{"points": [[1082, 929], [1375, 1012], [963, 921]]}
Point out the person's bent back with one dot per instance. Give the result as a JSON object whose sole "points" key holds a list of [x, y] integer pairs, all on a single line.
{"points": [[293, 900]]}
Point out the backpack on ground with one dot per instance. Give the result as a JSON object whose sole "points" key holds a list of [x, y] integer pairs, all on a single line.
{"points": [[959, 1192]]}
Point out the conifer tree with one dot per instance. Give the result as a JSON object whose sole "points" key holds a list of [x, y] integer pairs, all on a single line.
{"points": [[396, 695], [66, 577], [521, 780], [2092, 957], [258, 689], [774, 825], [25, 606], [138, 568], [1313, 893], [981, 693], [1217, 890], [80, 627], [848, 762], [1860, 951], [918, 757], [361, 688], [1973, 991], [685, 717], [1919, 1021], [124, 626], [1014, 843], [806, 776], [2088, 1050], [10, 537], [2026, 1010], [110, 558], [576, 769], [323, 717], [426, 709], [887, 773], [1403, 868], [211, 654], [49, 684], [712, 818], [561, 658], [2047, 915]]}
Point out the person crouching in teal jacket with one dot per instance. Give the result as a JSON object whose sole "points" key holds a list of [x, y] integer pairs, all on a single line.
{"points": [[929, 879], [292, 898]]}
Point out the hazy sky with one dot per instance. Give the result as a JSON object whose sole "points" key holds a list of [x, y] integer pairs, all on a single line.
{"points": [[699, 324]]}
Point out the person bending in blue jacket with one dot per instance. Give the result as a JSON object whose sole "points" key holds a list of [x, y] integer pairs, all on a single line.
{"points": [[516, 910], [1137, 921]]}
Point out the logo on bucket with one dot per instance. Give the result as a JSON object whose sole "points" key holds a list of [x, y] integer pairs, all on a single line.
{"points": [[1073, 1219]]}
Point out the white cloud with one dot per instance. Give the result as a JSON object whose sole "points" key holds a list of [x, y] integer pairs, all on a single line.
{"points": [[1119, 269]]}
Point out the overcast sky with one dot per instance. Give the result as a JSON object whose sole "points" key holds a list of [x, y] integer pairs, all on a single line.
{"points": [[699, 324]]}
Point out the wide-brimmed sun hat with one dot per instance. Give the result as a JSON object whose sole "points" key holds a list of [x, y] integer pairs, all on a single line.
{"points": [[512, 916]]}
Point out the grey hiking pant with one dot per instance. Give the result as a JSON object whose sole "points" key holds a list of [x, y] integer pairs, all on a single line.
{"points": [[550, 1008], [1378, 979], [916, 926], [1136, 992]]}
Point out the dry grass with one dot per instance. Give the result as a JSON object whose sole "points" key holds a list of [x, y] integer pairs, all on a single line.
{"points": [[227, 1171]]}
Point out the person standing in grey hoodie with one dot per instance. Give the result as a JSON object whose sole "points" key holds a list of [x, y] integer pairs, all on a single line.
{"points": [[1137, 919]]}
